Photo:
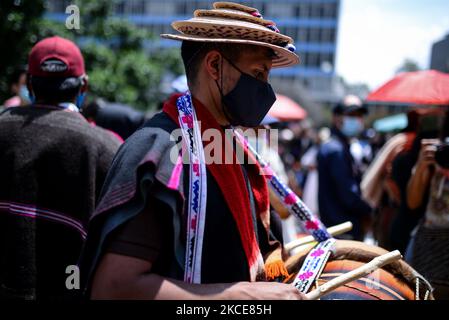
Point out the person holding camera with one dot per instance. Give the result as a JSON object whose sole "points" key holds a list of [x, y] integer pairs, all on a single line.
{"points": [[428, 251]]}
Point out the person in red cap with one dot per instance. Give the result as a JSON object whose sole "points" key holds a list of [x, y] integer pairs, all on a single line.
{"points": [[52, 166], [56, 74]]}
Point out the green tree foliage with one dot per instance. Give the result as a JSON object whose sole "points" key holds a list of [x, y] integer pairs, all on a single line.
{"points": [[120, 69], [408, 66], [19, 25]]}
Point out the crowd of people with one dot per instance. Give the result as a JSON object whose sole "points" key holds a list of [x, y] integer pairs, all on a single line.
{"points": [[394, 192], [93, 184]]}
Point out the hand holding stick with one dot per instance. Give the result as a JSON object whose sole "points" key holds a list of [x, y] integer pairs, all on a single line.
{"points": [[358, 273]]}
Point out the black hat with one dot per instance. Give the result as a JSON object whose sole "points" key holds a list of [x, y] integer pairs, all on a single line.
{"points": [[350, 104]]}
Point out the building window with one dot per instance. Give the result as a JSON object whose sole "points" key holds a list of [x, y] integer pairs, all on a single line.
{"points": [[303, 10], [204, 4], [333, 34], [313, 35], [120, 8], [190, 7], [279, 10], [303, 57], [302, 34], [313, 60], [326, 57], [181, 8], [327, 35], [161, 8], [57, 6], [290, 31], [315, 10], [137, 7], [322, 12], [330, 10]]}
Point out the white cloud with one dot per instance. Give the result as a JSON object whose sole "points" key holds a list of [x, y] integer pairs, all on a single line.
{"points": [[375, 38]]}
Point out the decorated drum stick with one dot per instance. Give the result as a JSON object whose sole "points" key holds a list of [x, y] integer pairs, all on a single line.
{"points": [[316, 259], [291, 201], [358, 273], [334, 231]]}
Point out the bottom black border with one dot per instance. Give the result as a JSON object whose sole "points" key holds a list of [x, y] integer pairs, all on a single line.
{"points": [[235, 309]]}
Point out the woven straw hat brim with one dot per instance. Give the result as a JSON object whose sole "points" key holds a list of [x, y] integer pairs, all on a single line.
{"points": [[232, 14], [230, 28], [233, 5], [284, 57]]}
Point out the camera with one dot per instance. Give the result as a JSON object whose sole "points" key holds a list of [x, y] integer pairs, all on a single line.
{"points": [[442, 155]]}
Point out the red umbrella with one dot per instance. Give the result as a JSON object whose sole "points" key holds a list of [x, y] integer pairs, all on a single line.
{"points": [[421, 87], [285, 109]]}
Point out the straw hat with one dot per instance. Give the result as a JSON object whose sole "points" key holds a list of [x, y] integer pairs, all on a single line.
{"points": [[230, 22]]}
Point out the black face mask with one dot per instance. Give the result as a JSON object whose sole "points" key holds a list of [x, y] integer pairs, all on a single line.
{"points": [[249, 102]]}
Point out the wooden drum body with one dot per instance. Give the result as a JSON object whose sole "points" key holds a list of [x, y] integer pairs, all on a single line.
{"points": [[396, 281]]}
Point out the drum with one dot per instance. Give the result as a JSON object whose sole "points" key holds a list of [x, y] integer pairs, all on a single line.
{"points": [[396, 281]]}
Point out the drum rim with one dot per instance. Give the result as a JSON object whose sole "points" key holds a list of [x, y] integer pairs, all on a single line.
{"points": [[362, 252]]}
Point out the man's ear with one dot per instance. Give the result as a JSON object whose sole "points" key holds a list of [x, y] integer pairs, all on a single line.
{"points": [[84, 86], [212, 60]]}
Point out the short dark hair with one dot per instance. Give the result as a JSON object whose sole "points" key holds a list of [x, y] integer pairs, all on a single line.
{"points": [[56, 89], [91, 108], [444, 134], [15, 76], [412, 122], [193, 52]]}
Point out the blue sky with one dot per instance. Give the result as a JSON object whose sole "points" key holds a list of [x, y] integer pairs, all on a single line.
{"points": [[376, 36]]}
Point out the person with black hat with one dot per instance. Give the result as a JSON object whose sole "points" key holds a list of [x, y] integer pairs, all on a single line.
{"points": [[52, 166], [339, 195], [121, 119]]}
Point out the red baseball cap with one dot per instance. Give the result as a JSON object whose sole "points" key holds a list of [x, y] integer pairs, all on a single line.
{"points": [[56, 57]]}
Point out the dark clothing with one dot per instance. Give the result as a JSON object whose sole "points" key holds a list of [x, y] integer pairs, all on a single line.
{"points": [[148, 236], [406, 219], [149, 221], [430, 257], [52, 167], [121, 119], [339, 195]]}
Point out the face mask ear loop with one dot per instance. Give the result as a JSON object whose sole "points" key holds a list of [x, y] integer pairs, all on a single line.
{"points": [[30, 93], [81, 95], [220, 89], [234, 66]]}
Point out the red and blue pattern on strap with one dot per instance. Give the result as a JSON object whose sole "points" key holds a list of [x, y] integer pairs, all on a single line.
{"points": [[317, 258]]}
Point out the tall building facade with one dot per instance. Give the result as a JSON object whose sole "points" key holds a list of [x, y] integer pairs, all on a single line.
{"points": [[440, 55], [313, 24]]}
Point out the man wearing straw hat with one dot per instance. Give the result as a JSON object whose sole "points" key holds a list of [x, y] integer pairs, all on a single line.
{"points": [[164, 229]]}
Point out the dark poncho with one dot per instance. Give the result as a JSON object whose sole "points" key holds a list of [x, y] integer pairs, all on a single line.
{"points": [[121, 119], [142, 171], [52, 166]]}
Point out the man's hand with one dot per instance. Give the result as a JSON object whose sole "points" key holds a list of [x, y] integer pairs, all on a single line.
{"points": [[122, 277], [263, 291], [427, 152], [422, 174]]}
